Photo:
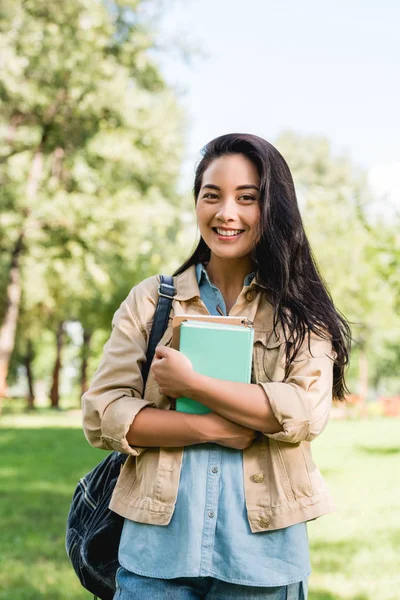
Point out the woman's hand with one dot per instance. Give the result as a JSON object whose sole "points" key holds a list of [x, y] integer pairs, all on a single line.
{"points": [[172, 371], [227, 433]]}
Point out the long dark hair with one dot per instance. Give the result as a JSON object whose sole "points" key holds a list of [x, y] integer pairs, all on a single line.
{"points": [[283, 258]]}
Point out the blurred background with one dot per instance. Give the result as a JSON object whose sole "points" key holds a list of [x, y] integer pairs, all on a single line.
{"points": [[105, 106]]}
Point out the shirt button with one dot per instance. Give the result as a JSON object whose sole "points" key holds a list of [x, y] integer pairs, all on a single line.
{"points": [[264, 522], [211, 514], [249, 296], [214, 469], [258, 477]]}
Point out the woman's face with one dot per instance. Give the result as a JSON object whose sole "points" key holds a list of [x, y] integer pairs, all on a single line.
{"points": [[228, 207]]}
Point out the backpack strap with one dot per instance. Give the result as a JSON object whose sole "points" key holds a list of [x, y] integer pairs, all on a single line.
{"points": [[166, 293]]}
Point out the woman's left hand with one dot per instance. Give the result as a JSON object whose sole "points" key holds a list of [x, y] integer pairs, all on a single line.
{"points": [[172, 371]]}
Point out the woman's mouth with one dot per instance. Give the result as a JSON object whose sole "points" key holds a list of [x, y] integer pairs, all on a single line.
{"points": [[227, 234]]}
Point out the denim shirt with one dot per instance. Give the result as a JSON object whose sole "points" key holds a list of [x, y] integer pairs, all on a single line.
{"points": [[209, 534]]}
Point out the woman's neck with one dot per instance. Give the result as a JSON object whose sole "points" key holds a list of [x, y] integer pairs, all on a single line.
{"points": [[228, 275]]}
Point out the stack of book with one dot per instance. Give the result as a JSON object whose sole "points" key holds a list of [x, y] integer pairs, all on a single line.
{"points": [[220, 347]]}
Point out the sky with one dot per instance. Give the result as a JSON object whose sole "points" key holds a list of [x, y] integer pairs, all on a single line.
{"points": [[325, 68]]}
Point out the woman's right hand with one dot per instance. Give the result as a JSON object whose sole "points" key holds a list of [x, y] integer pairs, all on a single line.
{"points": [[227, 433]]}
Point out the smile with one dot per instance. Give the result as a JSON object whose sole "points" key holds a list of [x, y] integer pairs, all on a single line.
{"points": [[228, 233]]}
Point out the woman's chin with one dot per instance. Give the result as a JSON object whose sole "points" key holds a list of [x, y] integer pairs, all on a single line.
{"points": [[230, 253]]}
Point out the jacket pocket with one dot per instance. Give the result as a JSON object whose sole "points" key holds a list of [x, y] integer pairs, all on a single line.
{"points": [[317, 481], [281, 479], [166, 483], [268, 357], [157, 476], [128, 474], [296, 469]]}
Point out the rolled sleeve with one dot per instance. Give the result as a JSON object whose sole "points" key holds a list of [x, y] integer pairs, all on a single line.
{"points": [[303, 401], [114, 397]]}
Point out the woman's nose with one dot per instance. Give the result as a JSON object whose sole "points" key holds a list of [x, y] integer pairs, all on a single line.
{"points": [[227, 210]]}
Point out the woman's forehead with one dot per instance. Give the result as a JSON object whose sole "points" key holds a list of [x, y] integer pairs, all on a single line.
{"points": [[233, 169]]}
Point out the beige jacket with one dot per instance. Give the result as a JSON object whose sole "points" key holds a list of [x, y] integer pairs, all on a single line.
{"points": [[282, 484]]}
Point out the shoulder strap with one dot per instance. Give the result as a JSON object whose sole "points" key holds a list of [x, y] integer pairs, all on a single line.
{"points": [[166, 292]]}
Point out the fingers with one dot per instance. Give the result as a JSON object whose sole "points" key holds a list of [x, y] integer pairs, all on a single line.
{"points": [[161, 351]]}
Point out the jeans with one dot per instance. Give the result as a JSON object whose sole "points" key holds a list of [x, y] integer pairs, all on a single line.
{"points": [[131, 586]]}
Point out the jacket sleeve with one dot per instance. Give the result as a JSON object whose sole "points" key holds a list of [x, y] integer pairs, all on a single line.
{"points": [[303, 401], [114, 397]]}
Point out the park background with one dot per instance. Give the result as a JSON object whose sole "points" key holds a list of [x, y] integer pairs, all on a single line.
{"points": [[104, 109]]}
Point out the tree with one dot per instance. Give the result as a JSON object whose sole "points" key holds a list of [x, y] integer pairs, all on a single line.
{"points": [[331, 190], [92, 134]]}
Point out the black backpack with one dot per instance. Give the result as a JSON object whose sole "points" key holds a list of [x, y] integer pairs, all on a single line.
{"points": [[93, 530]]}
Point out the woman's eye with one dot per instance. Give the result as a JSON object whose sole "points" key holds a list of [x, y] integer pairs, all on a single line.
{"points": [[245, 197]]}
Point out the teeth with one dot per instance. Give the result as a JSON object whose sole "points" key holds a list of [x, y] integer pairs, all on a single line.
{"points": [[228, 232]]}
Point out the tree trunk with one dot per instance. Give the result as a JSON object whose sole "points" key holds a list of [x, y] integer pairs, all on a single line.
{"points": [[57, 162], [87, 336], [13, 293], [35, 173], [28, 360], [55, 392], [9, 324], [16, 119]]}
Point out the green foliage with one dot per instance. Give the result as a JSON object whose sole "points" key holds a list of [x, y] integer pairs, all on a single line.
{"points": [[92, 147], [331, 192]]}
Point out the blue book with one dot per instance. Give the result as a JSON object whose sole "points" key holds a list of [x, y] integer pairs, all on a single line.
{"points": [[217, 350]]}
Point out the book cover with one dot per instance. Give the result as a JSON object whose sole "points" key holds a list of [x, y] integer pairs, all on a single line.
{"points": [[240, 320], [217, 350]]}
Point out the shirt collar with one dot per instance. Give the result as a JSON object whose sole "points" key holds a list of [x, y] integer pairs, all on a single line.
{"points": [[201, 274], [187, 286]]}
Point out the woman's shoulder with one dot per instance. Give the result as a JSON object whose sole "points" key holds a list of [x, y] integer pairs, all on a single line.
{"points": [[143, 294], [143, 297]]}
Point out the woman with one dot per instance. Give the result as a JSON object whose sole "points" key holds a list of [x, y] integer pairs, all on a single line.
{"points": [[216, 505]]}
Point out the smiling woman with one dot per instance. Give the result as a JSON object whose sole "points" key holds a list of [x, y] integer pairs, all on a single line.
{"points": [[231, 213], [216, 505], [228, 220]]}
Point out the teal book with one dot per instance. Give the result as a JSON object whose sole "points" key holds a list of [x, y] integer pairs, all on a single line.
{"points": [[217, 350]]}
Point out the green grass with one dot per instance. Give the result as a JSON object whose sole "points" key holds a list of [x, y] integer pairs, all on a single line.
{"points": [[355, 551], [43, 457]]}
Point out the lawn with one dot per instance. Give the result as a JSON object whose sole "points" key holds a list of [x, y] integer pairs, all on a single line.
{"points": [[355, 551]]}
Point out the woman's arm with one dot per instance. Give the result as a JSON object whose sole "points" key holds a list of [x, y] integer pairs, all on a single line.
{"points": [[155, 427], [291, 411], [246, 404], [168, 428], [243, 403]]}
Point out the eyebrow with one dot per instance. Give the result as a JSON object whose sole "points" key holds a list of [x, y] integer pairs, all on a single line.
{"points": [[239, 187]]}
